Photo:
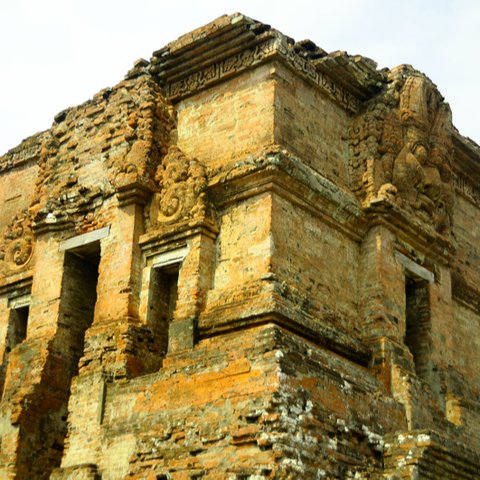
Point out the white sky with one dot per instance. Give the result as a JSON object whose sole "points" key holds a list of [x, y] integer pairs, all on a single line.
{"points": [[58, 53]]}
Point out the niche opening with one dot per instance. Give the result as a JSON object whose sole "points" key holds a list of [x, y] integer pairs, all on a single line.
{"points": [[418, 324], [17, 326], [79, 295], [162, 302]]}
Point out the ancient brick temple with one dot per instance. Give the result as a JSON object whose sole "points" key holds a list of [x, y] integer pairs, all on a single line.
{"points": [[250, 259]]}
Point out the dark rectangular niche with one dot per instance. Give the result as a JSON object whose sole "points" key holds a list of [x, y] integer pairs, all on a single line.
{"points": [[418, 324]]}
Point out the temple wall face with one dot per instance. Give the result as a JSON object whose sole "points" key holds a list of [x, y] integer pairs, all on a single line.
{"points": [[225, 124], [249, 259], [468, 238], [16, 190], [320, 265], [464, 341], [465, 277], [311, 126], [244, 245]]}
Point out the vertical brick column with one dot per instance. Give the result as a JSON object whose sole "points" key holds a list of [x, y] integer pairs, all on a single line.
{"points": [[111, 343], [35, 386], [84, 439], [382, 297], [442, 325], [382, 286], [193, 283], [108, 340]]}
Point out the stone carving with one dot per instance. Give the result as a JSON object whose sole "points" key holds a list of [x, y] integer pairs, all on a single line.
{"points": [[309, 69], [27, 151], [17, 246], [251, 56], [182, 195], [215, 72], [467, 188], [402, 148]]}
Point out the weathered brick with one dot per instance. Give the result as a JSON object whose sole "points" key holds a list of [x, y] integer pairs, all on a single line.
{"points": [[248, 259]]}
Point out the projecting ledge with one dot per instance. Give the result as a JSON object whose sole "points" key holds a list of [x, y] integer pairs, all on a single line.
{"points": [[84, 239], [415, 268]]}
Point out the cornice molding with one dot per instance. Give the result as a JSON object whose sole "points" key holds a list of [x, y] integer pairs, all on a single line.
{"points": [[466, 168], [235, 43], [288, 177], [411, 231]]}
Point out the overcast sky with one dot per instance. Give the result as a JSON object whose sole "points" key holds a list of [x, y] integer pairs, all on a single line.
{"points": [[59, 53]]}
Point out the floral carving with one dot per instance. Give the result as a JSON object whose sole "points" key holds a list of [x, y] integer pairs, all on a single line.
{"points": [[17, 246], [402, 148], [182, 195]]}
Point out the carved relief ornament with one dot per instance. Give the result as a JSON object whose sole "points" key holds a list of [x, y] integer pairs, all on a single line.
{"points": [[17, 243], [248, 57], [182, 191], [402, 149]]}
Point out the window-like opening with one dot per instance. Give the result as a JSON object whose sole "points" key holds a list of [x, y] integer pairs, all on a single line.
{"points": [[17, 327], [418, 323], [77, 303], [46, 433], [16, 331], [162, 302], [79, 295]]}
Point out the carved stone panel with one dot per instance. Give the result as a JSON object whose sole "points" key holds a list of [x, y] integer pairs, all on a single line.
{"points": [[16, 245], [182, 191], [402, 148]]}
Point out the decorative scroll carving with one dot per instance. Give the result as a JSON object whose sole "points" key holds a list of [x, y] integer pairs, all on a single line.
{"points": [[27, 151], [467, 188], [182, 196], [17, 245], [402, 148], [215, 72], [348, 100], [251, 56]]}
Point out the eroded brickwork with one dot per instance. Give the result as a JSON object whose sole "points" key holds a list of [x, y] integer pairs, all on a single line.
{"points": [[250, 259]]}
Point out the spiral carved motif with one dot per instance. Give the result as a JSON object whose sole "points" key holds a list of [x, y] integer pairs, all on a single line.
{"points": [[182, 189], [17, 247]]}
